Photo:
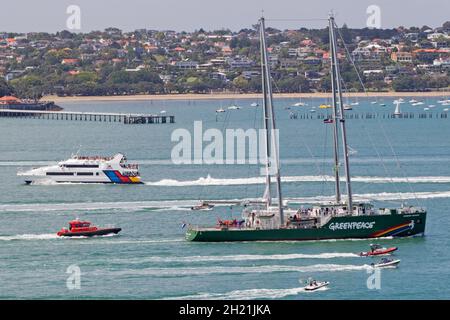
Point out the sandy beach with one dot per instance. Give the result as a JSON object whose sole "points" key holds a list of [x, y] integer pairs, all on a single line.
{"points": [[231, 96]]}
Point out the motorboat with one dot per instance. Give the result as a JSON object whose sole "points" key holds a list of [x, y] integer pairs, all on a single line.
{"points": [[314, 285], [86, 169], [386, 263], [78, 228], [254, 104], [377, 250], [233, 107], [299, 104], [221, 110], [203, 207]]}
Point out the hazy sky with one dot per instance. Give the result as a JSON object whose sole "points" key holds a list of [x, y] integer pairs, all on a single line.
{"points": [[188, 15]]}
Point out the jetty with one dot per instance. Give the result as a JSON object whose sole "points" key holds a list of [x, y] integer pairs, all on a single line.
{"points": [[125, 118]]}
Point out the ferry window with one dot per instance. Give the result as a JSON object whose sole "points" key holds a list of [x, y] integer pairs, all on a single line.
{"points": [[59, 173], [81, 165]]}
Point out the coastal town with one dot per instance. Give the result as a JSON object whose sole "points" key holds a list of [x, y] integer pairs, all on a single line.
{"points": [[113, 62]]}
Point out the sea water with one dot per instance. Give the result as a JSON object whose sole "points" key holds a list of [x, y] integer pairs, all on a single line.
{"points": [[393, 162]]}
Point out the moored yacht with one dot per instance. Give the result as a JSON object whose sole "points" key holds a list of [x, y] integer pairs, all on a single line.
{"points": [[84, 169]]}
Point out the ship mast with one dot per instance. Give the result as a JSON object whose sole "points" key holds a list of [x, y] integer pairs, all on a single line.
{"points": [[337, 82], [267, 192], [335, 123], [269, 111]]}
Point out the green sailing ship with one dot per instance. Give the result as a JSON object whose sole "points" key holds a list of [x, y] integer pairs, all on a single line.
{"points": [[341, 219]]}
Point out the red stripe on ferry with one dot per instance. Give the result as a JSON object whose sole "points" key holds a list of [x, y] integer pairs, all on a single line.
{"points": [[122, 178]]}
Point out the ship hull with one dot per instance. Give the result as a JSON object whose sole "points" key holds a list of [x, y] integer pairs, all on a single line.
{"points": [[350, 227]]}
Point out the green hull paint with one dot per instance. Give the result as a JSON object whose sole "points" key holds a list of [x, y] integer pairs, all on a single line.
{"points": [[395, 225]]}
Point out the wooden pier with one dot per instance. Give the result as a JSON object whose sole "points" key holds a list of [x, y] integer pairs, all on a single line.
{"points": [[126, 118]]}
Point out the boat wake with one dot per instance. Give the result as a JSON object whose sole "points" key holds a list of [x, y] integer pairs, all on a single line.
{"points": [[183, 205], [384, 196], [45, 236], [177, 272], [249, 294], [209, 181], [192, 259]]}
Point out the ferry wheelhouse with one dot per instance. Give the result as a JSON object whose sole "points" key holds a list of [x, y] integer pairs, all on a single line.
{"points": [[87, 169]]}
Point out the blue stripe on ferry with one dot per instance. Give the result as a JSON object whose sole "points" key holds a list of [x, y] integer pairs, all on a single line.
{"points": [[112, 176]]}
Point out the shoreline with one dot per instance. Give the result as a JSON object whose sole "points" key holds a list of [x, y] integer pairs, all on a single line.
{"points": [[232, 96]]}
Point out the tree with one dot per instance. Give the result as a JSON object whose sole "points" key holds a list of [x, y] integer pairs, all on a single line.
{"points": [[5, 89], [240, 83]]}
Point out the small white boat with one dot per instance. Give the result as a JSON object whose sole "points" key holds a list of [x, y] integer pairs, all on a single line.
{"points": [[386, 263], [314, 285], [413, 101], [162, 111], [233, 107], [431, 106], [426, 109], [419, 103], [446, 109], [299, 104], [374, 102], [382, 104], [347, 107], [354, 103], [220, 110], [254, 104]]}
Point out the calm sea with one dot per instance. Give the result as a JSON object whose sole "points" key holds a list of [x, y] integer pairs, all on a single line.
{"points": [[150, 258]]}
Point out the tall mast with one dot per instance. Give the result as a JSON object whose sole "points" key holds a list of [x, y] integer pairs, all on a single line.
{"points": [[267, 192], [341, 115], [266, 75], [335, 123]]}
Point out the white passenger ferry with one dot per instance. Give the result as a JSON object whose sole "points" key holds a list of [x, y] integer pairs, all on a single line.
{"points": [[81, 169]]}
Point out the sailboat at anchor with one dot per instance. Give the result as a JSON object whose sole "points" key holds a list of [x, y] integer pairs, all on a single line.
{"points": [[343, 218]]}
